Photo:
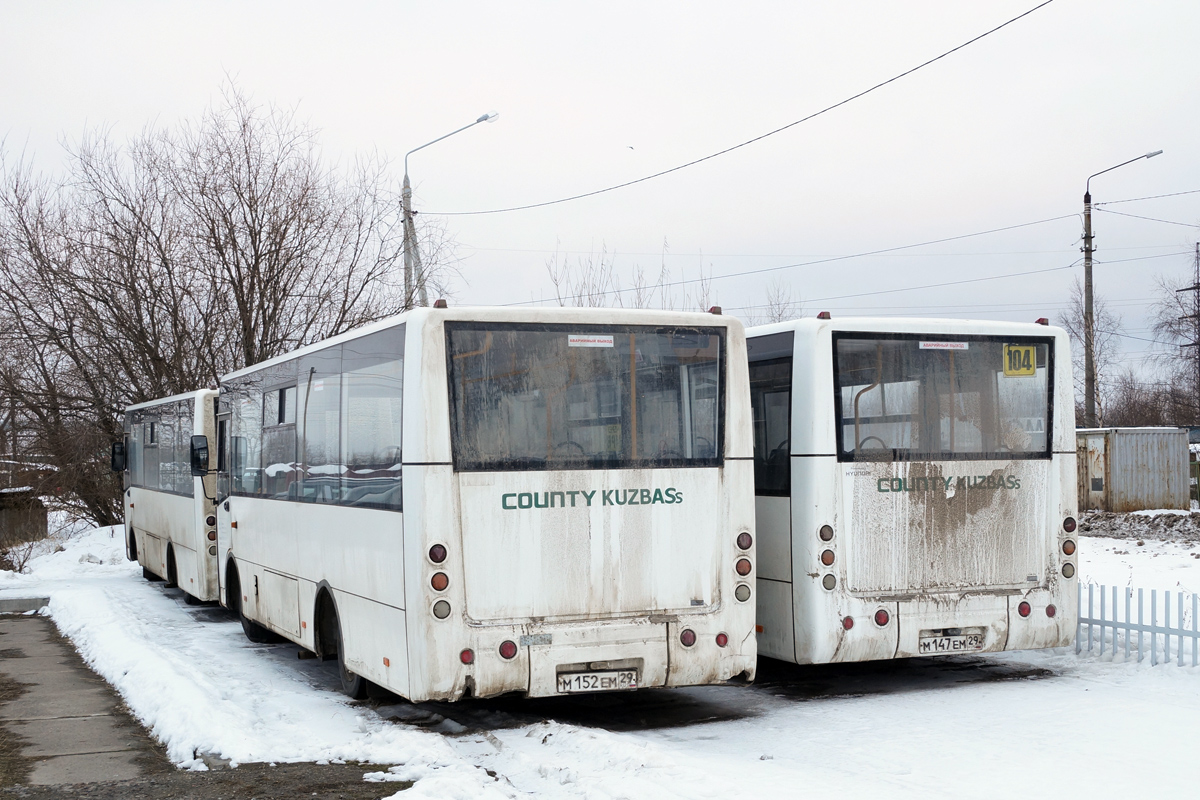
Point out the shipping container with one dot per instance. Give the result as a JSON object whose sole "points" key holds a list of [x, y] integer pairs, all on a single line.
{"points": [[1133, 469]]}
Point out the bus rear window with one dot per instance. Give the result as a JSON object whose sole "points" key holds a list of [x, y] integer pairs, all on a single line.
{"points": [[528, 396], [909, 397]]}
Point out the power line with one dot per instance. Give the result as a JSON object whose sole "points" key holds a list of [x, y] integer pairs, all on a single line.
{"points": [[833, 258], [1151, 197], [1151, 219], [749, 141]]}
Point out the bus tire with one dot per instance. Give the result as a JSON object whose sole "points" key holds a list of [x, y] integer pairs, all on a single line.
{"points": [[233, 591], [353, 684], [131, 547], [172, 577]]}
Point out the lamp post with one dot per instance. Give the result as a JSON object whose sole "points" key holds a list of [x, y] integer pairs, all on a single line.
{"points": [[412, 255], [1089, 331]]}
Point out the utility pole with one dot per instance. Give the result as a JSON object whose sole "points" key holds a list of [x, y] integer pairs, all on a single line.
{"points": [[1195, 318], [1089, 328]]}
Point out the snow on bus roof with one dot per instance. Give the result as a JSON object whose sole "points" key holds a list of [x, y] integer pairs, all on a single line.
{"points": [[910, 325]]}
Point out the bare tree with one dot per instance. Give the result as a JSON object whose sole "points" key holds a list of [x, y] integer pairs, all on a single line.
{"points": [[1107, 328], [780, 305], [1175, 326], [592, 281], [153, 268]]}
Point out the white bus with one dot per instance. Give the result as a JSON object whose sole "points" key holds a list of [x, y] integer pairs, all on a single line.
{"points": [[479, 501], [170, 511], [915, 487]]}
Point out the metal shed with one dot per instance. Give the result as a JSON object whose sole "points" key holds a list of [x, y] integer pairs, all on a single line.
{"points": [[1132, 469], [22, 517]]}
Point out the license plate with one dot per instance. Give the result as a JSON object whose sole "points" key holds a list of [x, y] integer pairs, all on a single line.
{"points": [[932, 643], [608, 681]]}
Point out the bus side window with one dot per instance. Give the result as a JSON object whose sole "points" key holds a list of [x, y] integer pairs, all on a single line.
{"points": [[771, 403]]}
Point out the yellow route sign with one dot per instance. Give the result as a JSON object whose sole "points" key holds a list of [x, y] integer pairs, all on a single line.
{"points": [[1019, 359]]}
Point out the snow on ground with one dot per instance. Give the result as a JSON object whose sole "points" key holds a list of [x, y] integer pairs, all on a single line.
{"points": [[957, 727]]}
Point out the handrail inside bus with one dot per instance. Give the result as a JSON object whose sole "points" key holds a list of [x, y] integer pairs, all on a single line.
{"points": [[953, 408], [861, 392]]}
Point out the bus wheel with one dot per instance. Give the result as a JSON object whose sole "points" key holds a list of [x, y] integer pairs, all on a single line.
{"points": [[131, 547], [150, 576], [353, 684], [233, 591], [172, 578]]}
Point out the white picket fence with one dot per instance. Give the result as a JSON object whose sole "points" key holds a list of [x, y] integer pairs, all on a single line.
{"points": [[1103, 623]]}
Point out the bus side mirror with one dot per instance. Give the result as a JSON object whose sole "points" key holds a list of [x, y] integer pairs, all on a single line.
{"points": [[118, 456], [199, 456]]}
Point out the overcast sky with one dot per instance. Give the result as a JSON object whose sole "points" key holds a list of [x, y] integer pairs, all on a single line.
{"points": [[1003, 132]]}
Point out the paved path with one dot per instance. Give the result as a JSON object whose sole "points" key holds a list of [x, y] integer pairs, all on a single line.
{"points": [[62, 723]]}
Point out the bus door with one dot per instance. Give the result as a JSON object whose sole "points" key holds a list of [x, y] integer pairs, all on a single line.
{"points": [[224, 484]]}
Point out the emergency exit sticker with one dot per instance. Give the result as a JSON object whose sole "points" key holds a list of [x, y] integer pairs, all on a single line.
{"points": [[944, 345], [589, 340], [1019, 360]]}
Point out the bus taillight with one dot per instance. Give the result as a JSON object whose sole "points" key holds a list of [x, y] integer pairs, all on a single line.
{"points": [[848, 623], [743, 567], [1069, 524], [437, 553], [826, 533], [688, 637], [742, 592], [1051, 610], [1024, 609], [1068, 570], [744, 540], [722, 640], [508, 649], [827, 558], [441, 609], [210, 521], [1069, 547], [882, 618], [467, 656], [439, 581]]}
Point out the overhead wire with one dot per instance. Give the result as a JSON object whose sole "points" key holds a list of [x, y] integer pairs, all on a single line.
{"points": [[1151, 219], [748, 142]]}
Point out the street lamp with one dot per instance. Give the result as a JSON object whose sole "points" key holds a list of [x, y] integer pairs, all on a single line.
{"points": [[1089, 332], [412, 256]]}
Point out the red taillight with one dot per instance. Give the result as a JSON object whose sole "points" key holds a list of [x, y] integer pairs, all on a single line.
{"points": [[744, 540], [508, 649], [882, 618], [439, 581], [688, 637], [1069, 547], [826, 533], [1024, 609], [743, 566], [437, 554], [1051, 610], [722, 640], [1069, 524], [210, 520], [467, 656], [212, 536], [827, 558], [848, 623]]}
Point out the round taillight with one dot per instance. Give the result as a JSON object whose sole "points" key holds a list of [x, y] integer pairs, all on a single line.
{"points": [[437, 553], [688, 637], [439, 581], [1024, 609], [827, 558], [441, 609], [744, 540], [743, 566], [210, 520], [742, 592], [882, 618], [1069, 547], [508, 649], [212, 536], [848, 623], [467, 656], [1068, 570], [1069, 524], [722, 640], [1051, 610], [826, 533], [829, 582]]}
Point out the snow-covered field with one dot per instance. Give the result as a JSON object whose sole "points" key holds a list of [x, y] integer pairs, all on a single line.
{"points": [[964, 726]]}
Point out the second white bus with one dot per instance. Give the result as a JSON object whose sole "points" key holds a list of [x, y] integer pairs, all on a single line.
{"points": [[915, 485], [468, 502]]}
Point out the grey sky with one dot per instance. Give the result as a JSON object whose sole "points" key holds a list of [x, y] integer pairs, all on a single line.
{"points": [[1001, 133]]}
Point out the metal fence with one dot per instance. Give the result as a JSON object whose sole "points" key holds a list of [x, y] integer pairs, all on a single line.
{"points": [[1104, 623]]}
